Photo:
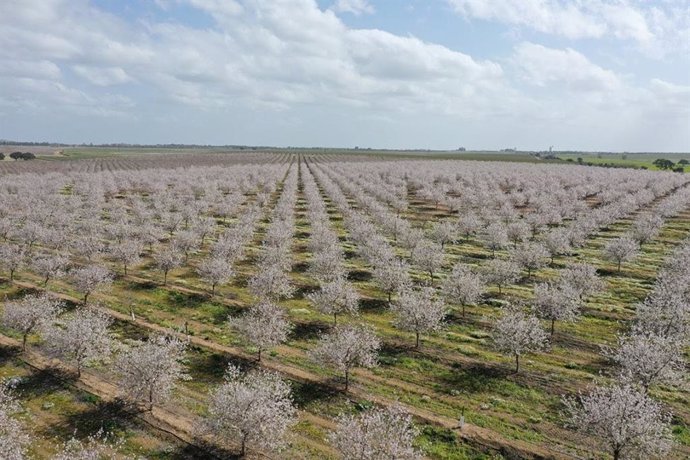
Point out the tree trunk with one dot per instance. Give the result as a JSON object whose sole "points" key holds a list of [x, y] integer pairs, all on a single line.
{"points": [[86, 297], [150, 399], [463, 310], [125, 266], [347, 379], [553, 324], [335, 319], [517, 363], [165, 278], [24, 342], [619, 266], [416, 345], [389, 296], [259, 354], [12, 275]]}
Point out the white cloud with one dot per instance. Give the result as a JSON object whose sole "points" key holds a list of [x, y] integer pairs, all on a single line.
{"points": [[658, 28], [102, 76], [278, 60], [355, 7], [41, 70], [544, 66]]}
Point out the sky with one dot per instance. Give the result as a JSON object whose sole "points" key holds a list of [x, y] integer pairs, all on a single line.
{"points": [[598, 75]]}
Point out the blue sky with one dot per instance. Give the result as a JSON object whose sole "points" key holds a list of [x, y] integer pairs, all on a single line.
{"points": [[585, 75]]}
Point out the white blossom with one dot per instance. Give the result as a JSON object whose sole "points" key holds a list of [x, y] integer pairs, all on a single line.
{"points": [[254, 410], [347, 347], [376, 434]]}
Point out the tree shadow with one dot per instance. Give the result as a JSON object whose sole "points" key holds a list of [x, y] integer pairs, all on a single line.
{"points": [[309, 331], [373, 305], [147, 285], [186, 299], [475, 377], [210, 367], [201, 450], [359, 275], [389, 353], [45, 381], [300, 267], [108, 416], [305, 393], [350, 254], [8, 353]]}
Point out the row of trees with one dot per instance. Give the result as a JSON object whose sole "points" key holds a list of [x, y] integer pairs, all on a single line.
{"points": [[249, 410]]}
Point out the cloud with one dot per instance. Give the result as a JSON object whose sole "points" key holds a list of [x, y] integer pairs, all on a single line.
{"points": [[356, 7], [282, 65], [102, 76], [544, 66], [658, 28]]}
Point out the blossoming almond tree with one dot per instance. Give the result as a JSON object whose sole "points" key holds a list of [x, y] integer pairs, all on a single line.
{"points": [[264, 326], [254, 410], [376, 434], [149, 370], [30, 313], [347, 347]]}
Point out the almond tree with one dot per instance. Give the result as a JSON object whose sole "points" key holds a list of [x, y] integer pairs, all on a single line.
{"points": [[90, 278], [80, 338], [646, 228], [516, 334], [463, 286], [501, 272], [556, 243], [14, 438], [518, 232], [254, 410], [666, 310], [127, 252], [529, 256], [419, 311], [495, 237], [468, 224], [215, 271], [264, 326], [376, 434], [393, 277], [13, 257], [336, 297], [629, 423], [149, 370], [347, 347], [621, 250], [167, 259], [443, 232], [556, 302], [428, 257], [30, 314], [50, 267], [648, 359], [271, 283], [327, 265], [582, 279]]}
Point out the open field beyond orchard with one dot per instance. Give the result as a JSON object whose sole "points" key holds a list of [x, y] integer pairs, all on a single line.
{"points": [[172, 245]]}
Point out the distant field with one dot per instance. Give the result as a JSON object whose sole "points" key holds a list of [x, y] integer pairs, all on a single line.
{"points": [[631, 160]]}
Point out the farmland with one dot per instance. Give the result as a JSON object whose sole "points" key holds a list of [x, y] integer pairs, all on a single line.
{"points": [[273, 263]]}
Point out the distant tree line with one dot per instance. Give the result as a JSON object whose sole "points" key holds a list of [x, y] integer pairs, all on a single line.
{"points": [[19, 156], [665, 164]]}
